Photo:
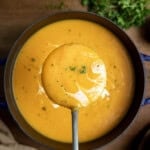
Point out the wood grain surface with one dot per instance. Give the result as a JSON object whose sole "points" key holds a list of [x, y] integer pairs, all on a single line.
{"points": [[16, 15]]}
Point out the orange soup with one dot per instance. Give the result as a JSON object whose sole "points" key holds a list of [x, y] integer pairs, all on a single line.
{"points": [[113, 79]]}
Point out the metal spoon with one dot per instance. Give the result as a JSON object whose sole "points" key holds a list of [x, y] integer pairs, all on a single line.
{"points": [[75, 145]]}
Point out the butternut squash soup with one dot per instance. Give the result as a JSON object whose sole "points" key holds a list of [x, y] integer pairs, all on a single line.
{"points": [[80, 64]]}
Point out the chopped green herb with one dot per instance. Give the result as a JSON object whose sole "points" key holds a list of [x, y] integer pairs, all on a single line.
{"points": [[85, 2], [44, 108], [125, 13], [83, 70], [33, 59], [72, 68], [61, 5]]}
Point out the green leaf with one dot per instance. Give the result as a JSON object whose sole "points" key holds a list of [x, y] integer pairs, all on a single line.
{"points": [[83, 70], [125, 13], [85, 2]]}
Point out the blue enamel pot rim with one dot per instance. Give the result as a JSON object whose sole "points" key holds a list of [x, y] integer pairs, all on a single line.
{"points": [[133, 54]]}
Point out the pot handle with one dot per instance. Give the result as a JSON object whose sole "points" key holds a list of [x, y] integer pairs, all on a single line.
{"points": [[145, 101], [3, 103], [3, 61], [146, 58]]}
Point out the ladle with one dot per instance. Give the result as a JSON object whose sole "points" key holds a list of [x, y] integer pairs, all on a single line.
{"points": [[70, 76]]}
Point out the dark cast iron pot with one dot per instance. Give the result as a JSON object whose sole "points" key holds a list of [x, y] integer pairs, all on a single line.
{"points": [[133, 54]]}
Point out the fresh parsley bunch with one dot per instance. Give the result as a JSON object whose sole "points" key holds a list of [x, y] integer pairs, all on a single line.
{"points": [[124, 13]]}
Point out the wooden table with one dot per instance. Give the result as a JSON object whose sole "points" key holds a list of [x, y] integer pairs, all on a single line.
{"points": [[16, 15]]}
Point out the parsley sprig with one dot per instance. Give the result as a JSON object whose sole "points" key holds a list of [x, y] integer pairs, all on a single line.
{"points": [[125, 13]]}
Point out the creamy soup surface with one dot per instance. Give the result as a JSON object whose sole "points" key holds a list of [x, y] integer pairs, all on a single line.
{"points": [[100, 72]]}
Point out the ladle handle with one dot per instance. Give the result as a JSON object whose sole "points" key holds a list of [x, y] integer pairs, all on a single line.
{"points": [[75, 145]]}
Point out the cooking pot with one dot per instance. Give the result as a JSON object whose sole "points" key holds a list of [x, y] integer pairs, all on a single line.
{"points": [[133, 54]]}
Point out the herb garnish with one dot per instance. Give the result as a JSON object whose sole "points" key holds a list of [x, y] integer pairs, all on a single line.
{"points": [[44, 108], [83, 70], [125, 13], [72, 68], [33, 59], [80, 70]]}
